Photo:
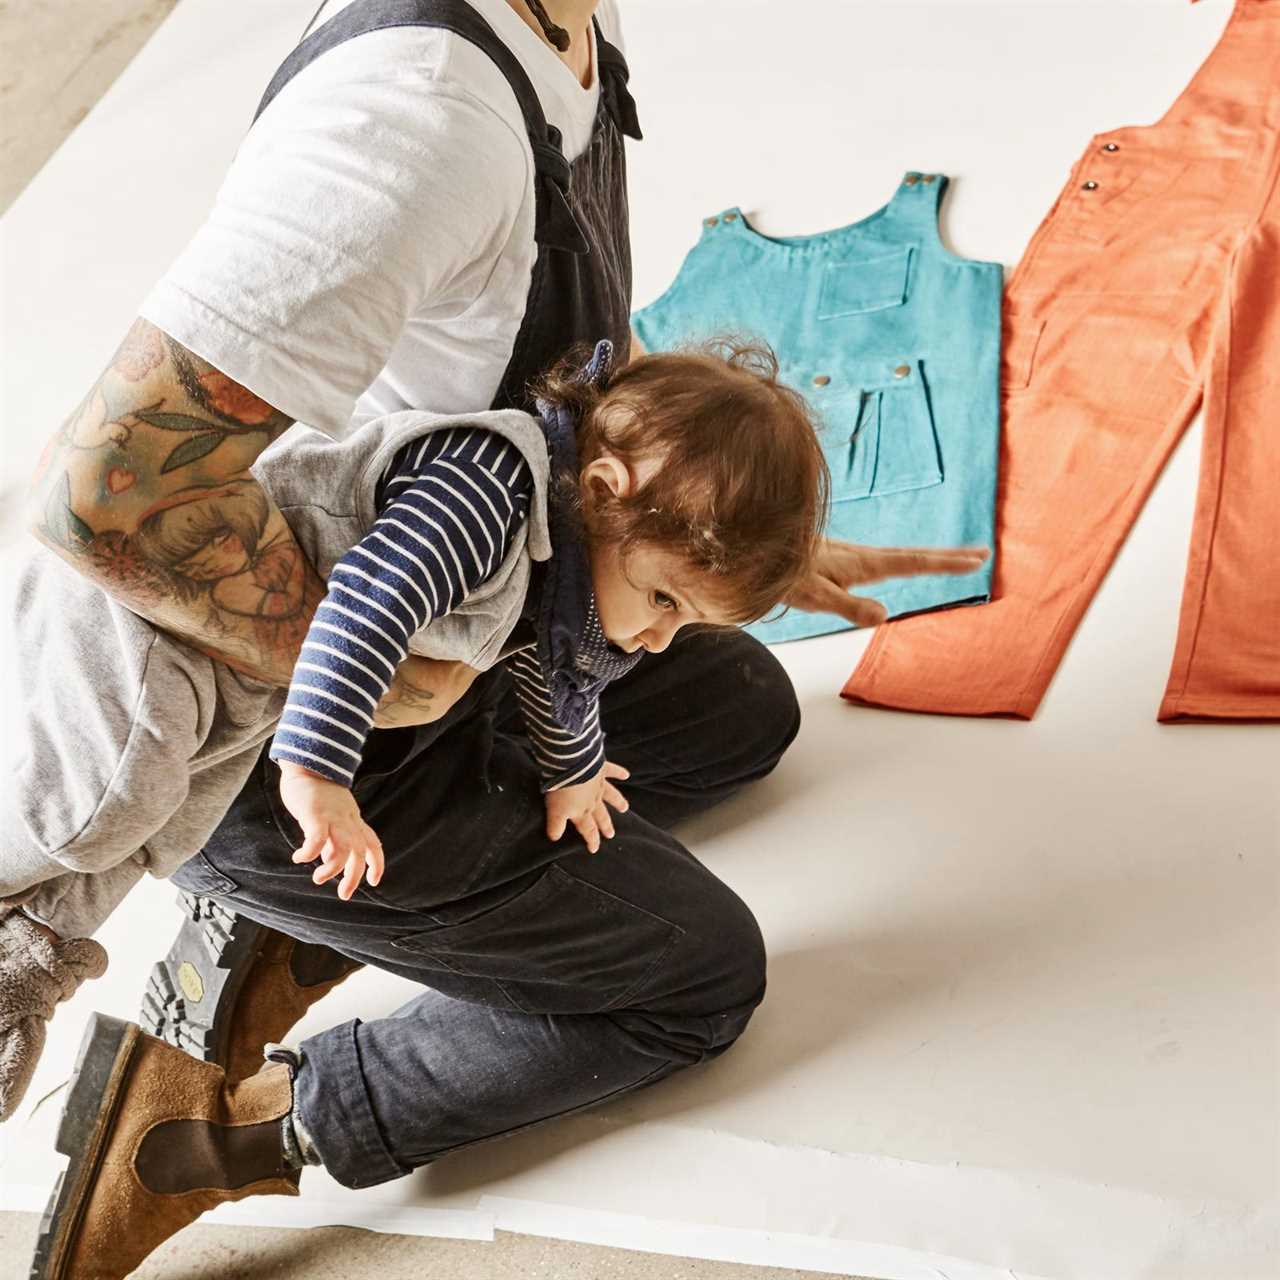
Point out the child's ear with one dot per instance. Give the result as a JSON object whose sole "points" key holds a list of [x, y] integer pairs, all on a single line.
{"points": [[609, 472]]}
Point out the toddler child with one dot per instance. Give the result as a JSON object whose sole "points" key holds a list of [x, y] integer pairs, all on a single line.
{"points": [[688, 488]]}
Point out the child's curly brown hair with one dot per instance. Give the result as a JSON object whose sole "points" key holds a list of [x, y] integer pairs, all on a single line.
{"points": [[742, 492]]}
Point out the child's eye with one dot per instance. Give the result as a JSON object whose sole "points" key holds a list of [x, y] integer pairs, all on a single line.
{"points": [[664, 602]]}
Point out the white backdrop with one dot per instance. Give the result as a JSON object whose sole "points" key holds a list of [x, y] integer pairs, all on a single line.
{"points": [[1023, 1007]]}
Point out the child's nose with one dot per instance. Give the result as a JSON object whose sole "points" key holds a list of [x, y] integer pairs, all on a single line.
{"points": [[658, 636]]}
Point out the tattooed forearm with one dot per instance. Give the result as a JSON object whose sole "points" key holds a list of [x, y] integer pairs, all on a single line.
{"points": [[146, 490]]}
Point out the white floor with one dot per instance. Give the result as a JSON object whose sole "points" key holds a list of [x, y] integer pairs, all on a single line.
{"points": [[1024, 1005]]}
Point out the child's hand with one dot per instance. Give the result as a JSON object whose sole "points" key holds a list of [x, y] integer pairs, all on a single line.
{"points": [[332, 829], [584, 805]]}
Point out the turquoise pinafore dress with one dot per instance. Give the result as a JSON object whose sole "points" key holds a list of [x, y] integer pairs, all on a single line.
{"points": [[895, 343]]}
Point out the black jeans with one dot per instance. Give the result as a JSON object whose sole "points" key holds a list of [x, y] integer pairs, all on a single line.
{"points": [[555, 979]]}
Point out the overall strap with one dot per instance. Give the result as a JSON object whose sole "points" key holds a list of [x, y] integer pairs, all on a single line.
{"points": [[917, 200], [612, 69], [555, 226]]}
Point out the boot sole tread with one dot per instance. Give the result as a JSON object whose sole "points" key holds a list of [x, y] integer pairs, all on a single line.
{"points": [[221, 948]]}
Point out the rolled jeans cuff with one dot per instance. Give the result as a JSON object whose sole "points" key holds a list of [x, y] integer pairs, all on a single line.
{"points": [[332, 1102]]}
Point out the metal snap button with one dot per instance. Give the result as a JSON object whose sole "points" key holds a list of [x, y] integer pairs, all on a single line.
{"points": [[731, 217], [902, 370], [710, 222], [1090, 185], [821, 380], [1111, 146], [911, 179], [930, 177]]}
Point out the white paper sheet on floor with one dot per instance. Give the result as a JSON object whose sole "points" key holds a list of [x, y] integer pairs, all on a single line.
{"points": [[1023, 1007]]}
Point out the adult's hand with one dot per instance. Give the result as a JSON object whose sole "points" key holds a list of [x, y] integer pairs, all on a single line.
{"points": [[421, 691], [840, 566]]}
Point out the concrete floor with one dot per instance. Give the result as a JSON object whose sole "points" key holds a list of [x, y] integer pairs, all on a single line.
{"points": [[339, 1253], [56, 60]]}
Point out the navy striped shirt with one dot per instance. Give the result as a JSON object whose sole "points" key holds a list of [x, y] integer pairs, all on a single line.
{"points": [[450, 508]]}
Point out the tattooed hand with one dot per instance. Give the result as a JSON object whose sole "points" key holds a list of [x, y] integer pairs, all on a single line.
{"points": [[421, 691], [146, 490]]}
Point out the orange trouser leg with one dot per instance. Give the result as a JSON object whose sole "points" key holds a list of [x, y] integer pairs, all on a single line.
{"points": [[1227, 662], [1115, 322]]}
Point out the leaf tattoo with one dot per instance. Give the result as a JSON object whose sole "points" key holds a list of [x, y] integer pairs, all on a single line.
{"points": [[174, 421], [63, 524], [192, 450]]}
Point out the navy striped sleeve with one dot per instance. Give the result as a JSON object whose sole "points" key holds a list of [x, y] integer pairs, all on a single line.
{"points": [[449, 513], [564, 758]]}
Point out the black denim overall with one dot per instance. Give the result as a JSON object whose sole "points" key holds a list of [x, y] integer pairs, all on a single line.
{"points": [[553, 979]]}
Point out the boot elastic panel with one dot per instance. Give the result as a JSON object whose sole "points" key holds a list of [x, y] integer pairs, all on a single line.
{"points": [[190, 1155]]}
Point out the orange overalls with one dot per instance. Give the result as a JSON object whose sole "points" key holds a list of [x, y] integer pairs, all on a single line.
{"points": [[1153, 283]]}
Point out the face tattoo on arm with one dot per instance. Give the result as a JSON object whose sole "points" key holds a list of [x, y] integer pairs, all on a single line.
{"points": [[146, 491]]}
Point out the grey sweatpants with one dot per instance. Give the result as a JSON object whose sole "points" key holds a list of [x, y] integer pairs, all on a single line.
{"points": [[133, 747]]}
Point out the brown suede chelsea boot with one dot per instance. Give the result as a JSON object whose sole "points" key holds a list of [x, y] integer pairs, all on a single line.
{"points": [[155, 1138], [229, 986]]}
